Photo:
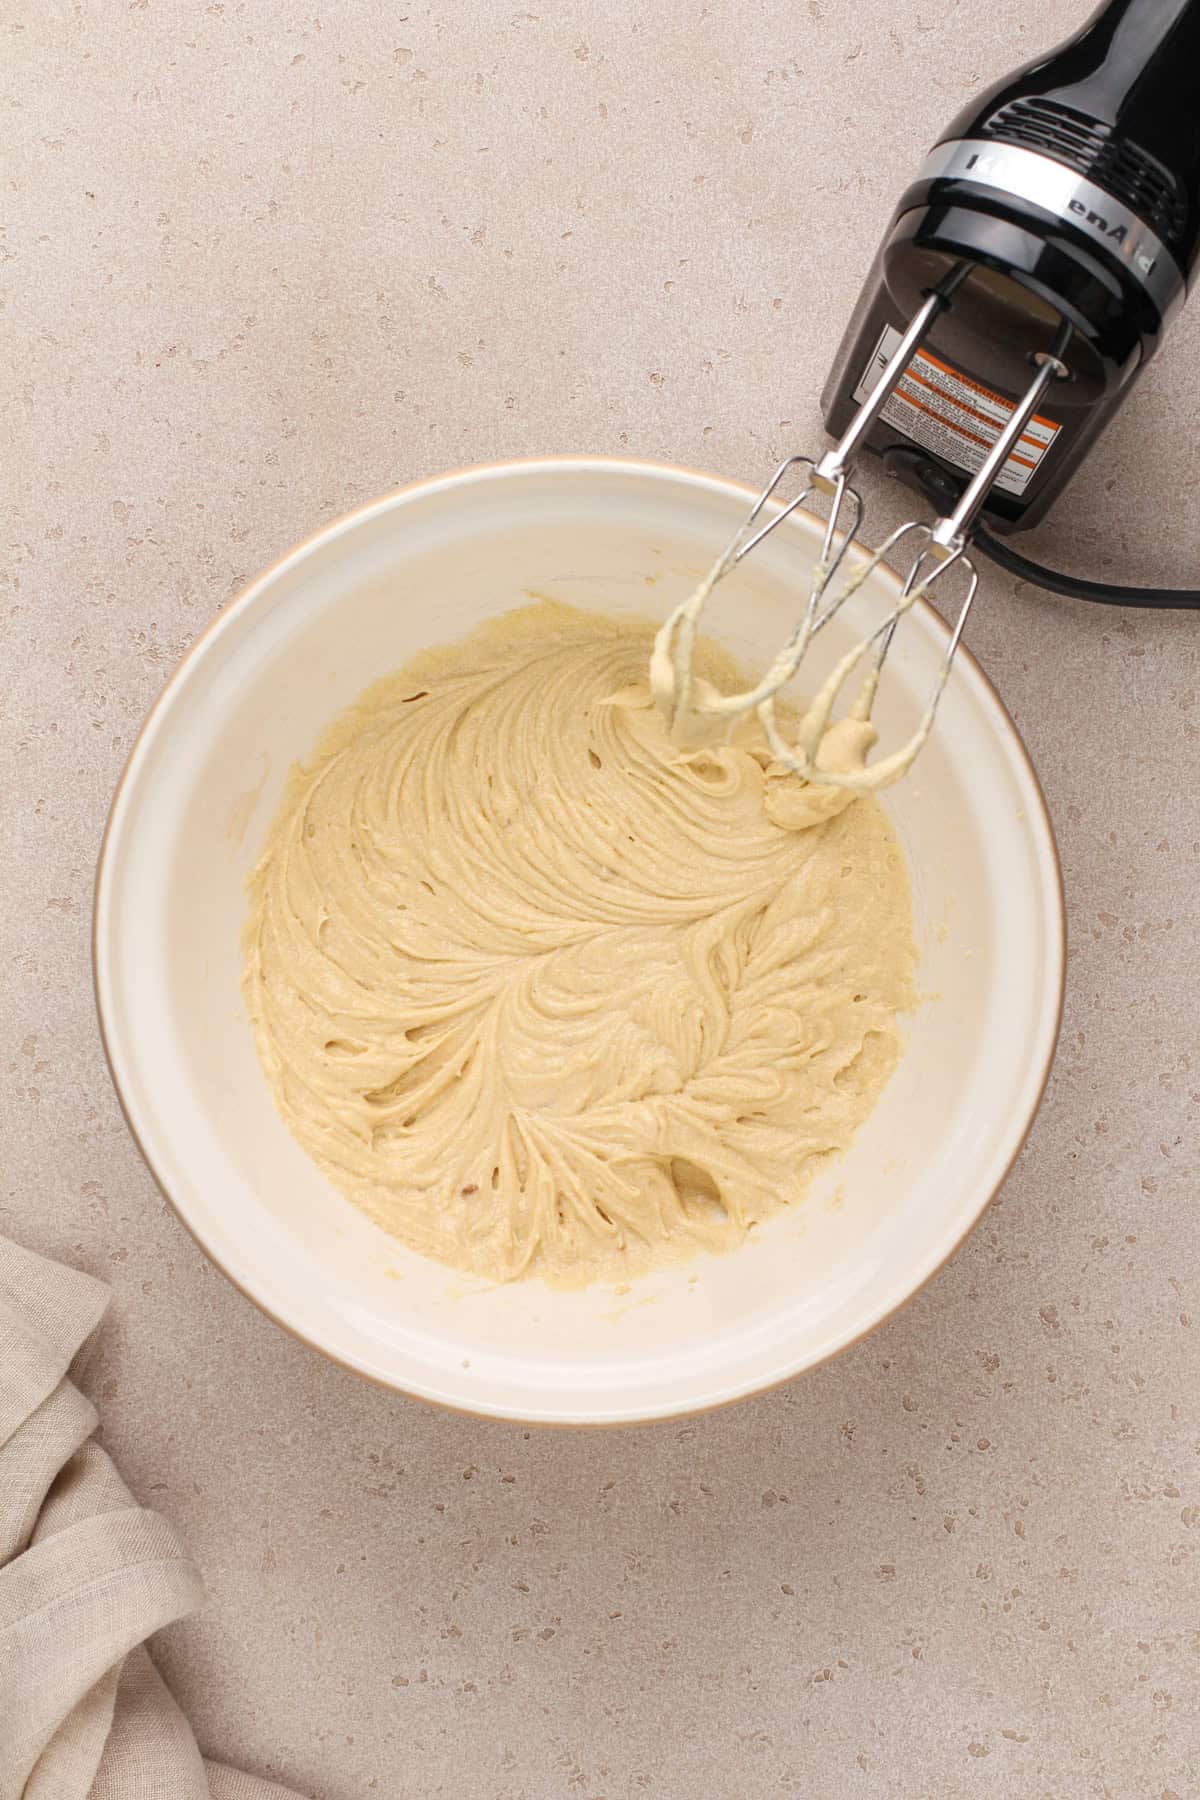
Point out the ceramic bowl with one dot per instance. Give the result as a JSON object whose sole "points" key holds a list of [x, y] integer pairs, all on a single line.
{"points": [[205, 777]]}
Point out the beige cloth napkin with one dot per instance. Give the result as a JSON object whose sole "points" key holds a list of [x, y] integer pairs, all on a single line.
{"points": [[86, 1576]]}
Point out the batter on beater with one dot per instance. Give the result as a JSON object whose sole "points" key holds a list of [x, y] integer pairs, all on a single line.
{"points": [[542, 992]]}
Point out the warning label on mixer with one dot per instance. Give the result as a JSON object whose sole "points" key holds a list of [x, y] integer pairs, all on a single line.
{"points": [[954, 417]]}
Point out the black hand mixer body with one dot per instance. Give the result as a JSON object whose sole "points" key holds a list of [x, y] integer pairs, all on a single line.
{"points": [[1025, 281], [1058, 217]]}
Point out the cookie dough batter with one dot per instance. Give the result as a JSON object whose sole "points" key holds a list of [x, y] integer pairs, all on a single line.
{"points": [[542, 993]]}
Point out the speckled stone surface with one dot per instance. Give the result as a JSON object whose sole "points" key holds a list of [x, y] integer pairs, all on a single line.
{"points": [[262, 260]]}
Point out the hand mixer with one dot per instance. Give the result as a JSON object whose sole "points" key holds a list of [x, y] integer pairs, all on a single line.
{"points": [[1027, 277]]}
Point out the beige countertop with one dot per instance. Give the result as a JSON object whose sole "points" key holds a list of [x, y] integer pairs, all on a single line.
{"points": [[263, 260]]}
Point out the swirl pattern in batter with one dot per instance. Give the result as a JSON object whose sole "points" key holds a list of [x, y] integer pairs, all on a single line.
{"points": [[539, 991]]}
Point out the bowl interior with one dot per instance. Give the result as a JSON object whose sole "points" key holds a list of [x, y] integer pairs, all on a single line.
{"points": [[206, 776]]}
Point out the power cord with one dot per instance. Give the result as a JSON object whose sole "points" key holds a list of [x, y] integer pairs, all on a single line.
{"points": [[942, 492], [1107, 593]]}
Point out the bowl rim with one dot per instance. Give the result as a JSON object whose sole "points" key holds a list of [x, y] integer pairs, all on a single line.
{"points": [[467, 475]]}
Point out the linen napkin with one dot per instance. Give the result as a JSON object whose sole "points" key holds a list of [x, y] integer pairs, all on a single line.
{"points": [[86, 1576]]}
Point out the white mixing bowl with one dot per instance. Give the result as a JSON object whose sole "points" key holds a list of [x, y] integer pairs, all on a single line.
{"points": [[422, 567]]}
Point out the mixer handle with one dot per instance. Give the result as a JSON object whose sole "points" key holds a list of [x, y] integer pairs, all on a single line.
{"points": [[1119, 102]]}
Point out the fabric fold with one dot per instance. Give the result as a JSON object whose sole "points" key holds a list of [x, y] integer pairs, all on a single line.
{"points": [[86, 1576]]}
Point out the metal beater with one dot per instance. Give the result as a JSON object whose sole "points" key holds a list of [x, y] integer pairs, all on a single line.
{"points": [[1045, 245]]}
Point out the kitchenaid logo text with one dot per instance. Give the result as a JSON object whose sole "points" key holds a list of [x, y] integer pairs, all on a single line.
{"points": [[1118, 235]]}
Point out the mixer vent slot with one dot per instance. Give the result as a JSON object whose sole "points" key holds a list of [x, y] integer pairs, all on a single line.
{"points": [[1088, 146]]}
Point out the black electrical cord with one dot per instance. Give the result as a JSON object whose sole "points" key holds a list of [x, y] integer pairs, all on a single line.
{"points": [[942, 492], [1073, 588]]}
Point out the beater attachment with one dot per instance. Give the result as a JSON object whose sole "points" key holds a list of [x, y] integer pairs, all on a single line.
{"points": [[696, 713]]}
